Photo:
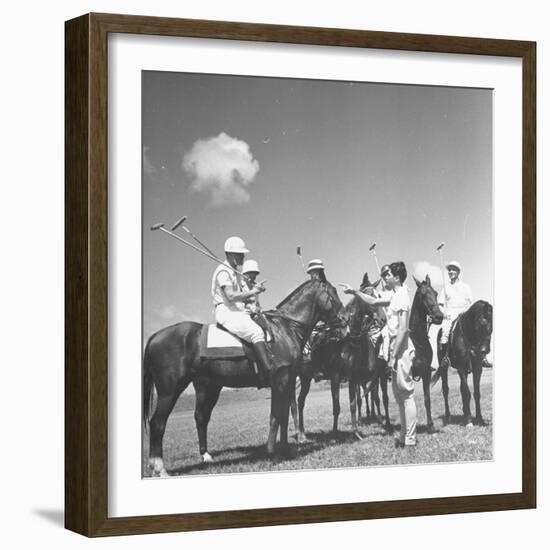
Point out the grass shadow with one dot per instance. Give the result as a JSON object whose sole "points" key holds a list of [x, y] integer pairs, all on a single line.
{"points": [[316, 441]]}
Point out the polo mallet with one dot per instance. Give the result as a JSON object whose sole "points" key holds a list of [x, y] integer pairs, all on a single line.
{"points": [[299, 253], [180, 222], [372, 248], [160, 226], [440, 250]]}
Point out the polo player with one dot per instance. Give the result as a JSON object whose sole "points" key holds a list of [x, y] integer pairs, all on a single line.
{"points": [[230, 296], [316, 270], [458, 298], [251, 270]]}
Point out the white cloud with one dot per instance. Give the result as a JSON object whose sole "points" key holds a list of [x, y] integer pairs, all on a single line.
{"points": [[421, 269], [222, 167]]}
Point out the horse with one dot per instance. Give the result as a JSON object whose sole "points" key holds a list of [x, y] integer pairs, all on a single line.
{"points": [[424, 307], [469, 343], [353, 357], [172, 361]]}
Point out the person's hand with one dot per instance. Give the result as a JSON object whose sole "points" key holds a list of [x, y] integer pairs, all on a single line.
{"points": [[259, 287], [346, 288]]}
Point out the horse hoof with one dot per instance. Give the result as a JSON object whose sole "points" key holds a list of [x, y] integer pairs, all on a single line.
{"points": [[469, 425], [207, 458], [301, 438], [157, 468]]}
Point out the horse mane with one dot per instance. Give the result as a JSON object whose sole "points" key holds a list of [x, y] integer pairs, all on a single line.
{"points": [[293, 294]]}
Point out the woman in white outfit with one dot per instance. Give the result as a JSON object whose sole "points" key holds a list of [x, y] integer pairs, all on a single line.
{"points": [[397, 306]]}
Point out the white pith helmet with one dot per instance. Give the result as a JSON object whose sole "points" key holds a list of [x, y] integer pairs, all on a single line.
{"points": [[454, 264], [235, 244], [315, 264], [251, 266]]}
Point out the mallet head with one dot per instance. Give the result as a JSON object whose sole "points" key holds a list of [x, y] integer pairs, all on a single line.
{"points": [[440, 246], [156, 226], [299, 250], [372, 247], [179, 222]]}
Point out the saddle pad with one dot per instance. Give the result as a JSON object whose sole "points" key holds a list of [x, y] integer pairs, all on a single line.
{"points": [[219, 344]]}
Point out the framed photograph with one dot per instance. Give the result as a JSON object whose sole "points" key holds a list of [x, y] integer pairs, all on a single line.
{"points": [[260, 218]]}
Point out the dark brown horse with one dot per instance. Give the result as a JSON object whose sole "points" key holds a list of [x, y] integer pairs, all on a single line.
{"points": [[424, 309], [469, 343], [172, 361], [352, 358]]}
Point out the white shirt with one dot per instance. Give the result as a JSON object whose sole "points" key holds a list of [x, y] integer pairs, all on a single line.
{"points": [[459, 298], [224, 276], [399, 302]]}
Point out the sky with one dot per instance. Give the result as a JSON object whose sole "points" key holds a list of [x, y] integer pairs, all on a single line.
{"points": [[331, 166]]}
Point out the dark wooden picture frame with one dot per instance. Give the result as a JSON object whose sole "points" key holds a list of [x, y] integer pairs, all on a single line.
{"points": [[86, 284]]}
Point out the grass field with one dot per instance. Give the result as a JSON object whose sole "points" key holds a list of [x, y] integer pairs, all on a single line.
{"points": [[237, 434]]}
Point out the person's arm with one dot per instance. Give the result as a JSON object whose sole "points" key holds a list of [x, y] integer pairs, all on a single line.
{"points": [[402, 337], [232, 295], [370, 300], [241, 295], [469, 297]]}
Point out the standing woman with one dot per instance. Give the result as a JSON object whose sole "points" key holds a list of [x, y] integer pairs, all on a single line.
{"points": [[400, 358]]}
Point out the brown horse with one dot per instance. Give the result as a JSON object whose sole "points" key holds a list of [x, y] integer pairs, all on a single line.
{"points": [[424, 308], [172, 361], [469, 343], [352, 358]]}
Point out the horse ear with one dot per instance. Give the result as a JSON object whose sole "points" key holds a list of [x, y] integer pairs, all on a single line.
{"points": [[418, 283], [428, 280]]}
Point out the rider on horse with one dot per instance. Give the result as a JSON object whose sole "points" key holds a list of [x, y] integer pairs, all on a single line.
{"points": [[230, 296], [251, 270], [458, 298]]}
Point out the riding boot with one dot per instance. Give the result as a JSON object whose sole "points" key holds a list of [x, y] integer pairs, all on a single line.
{"points": [[265, 364]]}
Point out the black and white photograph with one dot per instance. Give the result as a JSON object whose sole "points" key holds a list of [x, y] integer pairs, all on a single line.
{"points": [[317, 274]]}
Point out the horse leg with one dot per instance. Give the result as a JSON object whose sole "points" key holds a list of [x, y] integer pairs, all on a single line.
{"points": [[335, 391], [445, 390], [353, 393], [280, 403], [477, 370], [304, 390], [426, 380], [360, 402], [294, 409], [375, 397], [383, 378], [157, 426], [465, 391], [206, 397], [285, 386]]}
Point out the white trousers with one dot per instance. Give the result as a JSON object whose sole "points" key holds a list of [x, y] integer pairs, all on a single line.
{"points": [[403, 391], [447, 324], [239, 323]]}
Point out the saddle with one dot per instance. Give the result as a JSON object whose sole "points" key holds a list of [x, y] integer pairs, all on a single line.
{"points": [[216, 342]]}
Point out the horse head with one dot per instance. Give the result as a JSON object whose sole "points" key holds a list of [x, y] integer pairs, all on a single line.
{"points": [[362, 314], [482, 326], [330, 308], [314, 301], [428, 297]]}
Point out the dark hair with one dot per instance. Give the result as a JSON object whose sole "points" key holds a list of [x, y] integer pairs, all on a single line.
{"points": [[399, 270]]}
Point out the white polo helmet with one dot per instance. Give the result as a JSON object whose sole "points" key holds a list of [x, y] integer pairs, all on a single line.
{"points": [[235, 244], [454, 264], [251, 266], [315, 264]]}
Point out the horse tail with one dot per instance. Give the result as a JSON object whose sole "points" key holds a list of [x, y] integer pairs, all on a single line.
{"points": [[148, 387]]}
